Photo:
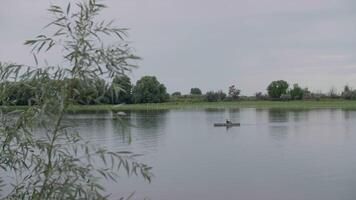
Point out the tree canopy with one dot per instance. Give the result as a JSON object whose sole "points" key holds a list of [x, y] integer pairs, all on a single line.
{"points": [[149, 90], [277, 88], [195, 91]]}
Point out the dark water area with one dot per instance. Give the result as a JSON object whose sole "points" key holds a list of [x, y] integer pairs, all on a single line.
{"points": [[273, 155]]}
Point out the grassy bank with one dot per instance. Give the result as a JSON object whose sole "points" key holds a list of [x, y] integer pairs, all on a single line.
{"points": [[237, 104]]}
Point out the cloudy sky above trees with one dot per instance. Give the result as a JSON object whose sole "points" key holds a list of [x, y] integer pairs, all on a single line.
{"points": [[212, 44]]}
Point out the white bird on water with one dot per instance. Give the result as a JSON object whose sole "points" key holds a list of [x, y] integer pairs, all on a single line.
{"points": [[121, 113]]}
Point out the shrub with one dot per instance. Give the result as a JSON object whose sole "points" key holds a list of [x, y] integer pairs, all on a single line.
{"points": [[296, 92], [176, 94], [349, 95], [212, 96]]}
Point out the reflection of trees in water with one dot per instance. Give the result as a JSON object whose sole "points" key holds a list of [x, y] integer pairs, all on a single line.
{"points": [[349, 114], [234, 114], [214, 110], [109, 129], [299, 115], [149, 119], [261, 115], [221, 114], [285, 115], [92, 124], [333, 114], [148, 126], [278, 115], [214, 115]]}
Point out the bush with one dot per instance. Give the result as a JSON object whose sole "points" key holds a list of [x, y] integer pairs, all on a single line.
{"points": [[307, 95], [260, 96], [296, 92], [212, 96], [349, 95], [176, 94], [195, 91]]}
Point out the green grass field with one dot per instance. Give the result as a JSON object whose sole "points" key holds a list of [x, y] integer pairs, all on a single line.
{"points": [[342, 104]]}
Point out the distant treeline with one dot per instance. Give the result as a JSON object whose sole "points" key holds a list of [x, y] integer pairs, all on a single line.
{"points": [[279, 90], [120, 90], [149, 90]]}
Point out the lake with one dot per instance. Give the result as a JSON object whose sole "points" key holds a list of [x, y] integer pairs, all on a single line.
{"points": [[273, 155]]}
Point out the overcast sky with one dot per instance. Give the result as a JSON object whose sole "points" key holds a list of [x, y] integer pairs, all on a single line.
{"points": [[212, 44]]}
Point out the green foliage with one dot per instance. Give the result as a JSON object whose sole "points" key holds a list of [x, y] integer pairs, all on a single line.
{"points": [[234, 92], [177, 94], [348, 93], [261, 96], [347, 88], [296, 92], [149, 90], [277, 88], [186, 98], [87, 92], [212, 96], [120, 90], [46, 158], [195, 91]]}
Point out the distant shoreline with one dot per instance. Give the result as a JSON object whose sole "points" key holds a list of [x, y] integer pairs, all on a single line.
{"points": [[302, 104], [261, 104]]}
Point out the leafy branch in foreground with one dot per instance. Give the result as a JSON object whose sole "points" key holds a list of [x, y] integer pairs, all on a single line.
{"points": [[40, 151]]}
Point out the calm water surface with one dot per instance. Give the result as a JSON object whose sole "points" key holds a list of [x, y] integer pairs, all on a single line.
{"points": [[274, 155]]}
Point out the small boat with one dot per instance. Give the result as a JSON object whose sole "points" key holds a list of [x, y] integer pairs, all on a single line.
{"points": [[227, 124]]}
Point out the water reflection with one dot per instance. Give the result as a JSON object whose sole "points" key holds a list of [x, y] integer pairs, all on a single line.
{"points": [[218, 115], [136, 128], [282, 154], [278, 115]]}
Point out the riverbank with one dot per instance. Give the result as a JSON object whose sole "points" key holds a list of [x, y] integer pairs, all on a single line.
{"points": [[342, 104]]}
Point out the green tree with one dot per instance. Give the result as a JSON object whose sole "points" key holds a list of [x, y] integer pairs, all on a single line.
{"points": [[90, 91], [120, 90], [277, 88], [58, 163], [296, 92], [195, 91], [149, 90], [234, 92]]}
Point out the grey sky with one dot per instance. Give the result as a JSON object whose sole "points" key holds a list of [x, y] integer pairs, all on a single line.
{"points": [[213, 44]]}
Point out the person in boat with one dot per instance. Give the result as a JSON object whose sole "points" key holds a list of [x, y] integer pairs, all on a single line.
{"points": [[228, 121]]}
